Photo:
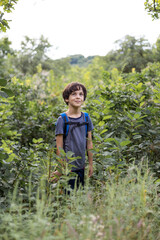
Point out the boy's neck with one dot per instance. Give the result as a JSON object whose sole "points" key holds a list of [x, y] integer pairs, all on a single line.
{"points": [[74, 112]]}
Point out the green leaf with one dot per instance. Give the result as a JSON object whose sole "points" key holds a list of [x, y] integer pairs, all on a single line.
{"points": [[112, 140], [124, 143], [107, 117], [3, 94], [139, 85], [69, 154], [11, 157], [137, 137], [108, 135], [62, 152], [156, 101], [157, 182], [105, 130], [3, 82], [3, 156], [141, 104], [98, 137], [106, 153], [40, 140], [142, 98], [137, 115], [96, 114], [8, 92], [101, 123], [129, 116], [96, 101]]}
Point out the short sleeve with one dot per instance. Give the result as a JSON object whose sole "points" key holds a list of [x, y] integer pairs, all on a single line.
{"points": [[90, 124], [59, 126]]}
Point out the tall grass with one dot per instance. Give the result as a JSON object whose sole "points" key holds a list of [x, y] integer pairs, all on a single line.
{"points": [[127, 209]]}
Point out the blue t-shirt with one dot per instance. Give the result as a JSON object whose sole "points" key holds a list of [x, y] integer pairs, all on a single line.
{"points": [[75, 141]]}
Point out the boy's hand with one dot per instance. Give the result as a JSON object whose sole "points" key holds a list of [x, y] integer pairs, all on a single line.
{"points": [[90, 173], [55, 176]]}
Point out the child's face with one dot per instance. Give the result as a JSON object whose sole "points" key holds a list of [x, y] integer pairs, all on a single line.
{"points": [[76, 98]]}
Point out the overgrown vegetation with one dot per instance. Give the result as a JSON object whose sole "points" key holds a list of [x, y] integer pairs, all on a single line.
{"points": [[124, 209], [121, 200]]}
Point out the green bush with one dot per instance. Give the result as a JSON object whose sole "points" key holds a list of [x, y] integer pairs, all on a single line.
{"points": [[127, 121]]}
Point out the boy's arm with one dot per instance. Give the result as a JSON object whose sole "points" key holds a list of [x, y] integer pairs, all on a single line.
{"points": [[59, 143], [90, 154]]}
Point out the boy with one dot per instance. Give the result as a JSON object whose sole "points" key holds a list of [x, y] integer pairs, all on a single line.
{"points": [[76, 140]]}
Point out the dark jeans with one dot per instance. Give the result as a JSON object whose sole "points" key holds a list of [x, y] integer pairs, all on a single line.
{"points": [[77, 180]]}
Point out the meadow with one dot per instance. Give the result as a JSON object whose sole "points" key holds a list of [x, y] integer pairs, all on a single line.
{"points": [[121, 200]]}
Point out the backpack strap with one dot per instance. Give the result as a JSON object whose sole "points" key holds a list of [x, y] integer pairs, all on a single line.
{"points": [[67, 123], [66, 126], [86, 120]]}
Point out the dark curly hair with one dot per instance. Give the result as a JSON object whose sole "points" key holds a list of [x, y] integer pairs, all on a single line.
{"points": [[72, 87]]}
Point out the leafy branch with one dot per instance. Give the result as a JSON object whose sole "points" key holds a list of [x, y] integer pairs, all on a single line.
{"points": [[153, 8], [6, 6]]}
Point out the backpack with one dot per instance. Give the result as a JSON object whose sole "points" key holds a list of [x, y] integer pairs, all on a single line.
{"points": [[77, 124]]}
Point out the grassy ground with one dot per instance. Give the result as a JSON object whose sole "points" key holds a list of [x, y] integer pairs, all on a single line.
{"points": [[127, 209]]}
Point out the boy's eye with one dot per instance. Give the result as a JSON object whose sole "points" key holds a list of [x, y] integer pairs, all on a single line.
{"points": [[74, 93]]}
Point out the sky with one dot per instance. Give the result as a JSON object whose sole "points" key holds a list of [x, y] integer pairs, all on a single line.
{"points": [[87, 27]]}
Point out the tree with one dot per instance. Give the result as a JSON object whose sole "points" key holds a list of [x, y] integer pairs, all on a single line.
{"points": [[156, 50], [33, 52], [153, 8], [5, 51], [61, 67], [80, 60], [6, 7], [131, 53]]}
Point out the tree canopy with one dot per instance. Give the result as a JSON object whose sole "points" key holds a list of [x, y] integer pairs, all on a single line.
{"points": [[153, 8], [33, 52], [130, 53]]}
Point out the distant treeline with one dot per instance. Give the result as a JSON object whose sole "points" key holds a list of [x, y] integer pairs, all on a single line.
{"points": [[130, 54]]}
